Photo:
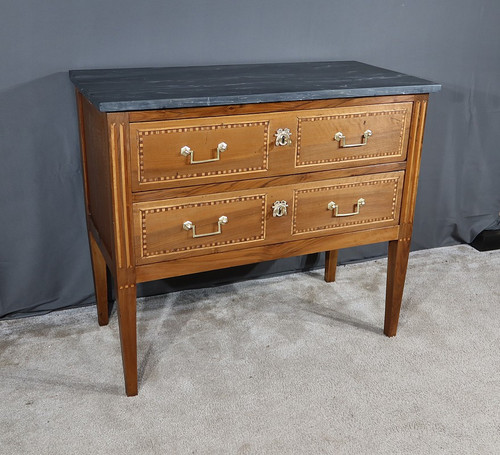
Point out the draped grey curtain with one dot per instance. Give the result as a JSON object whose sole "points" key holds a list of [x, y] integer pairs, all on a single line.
{"points": [[44, 259]]}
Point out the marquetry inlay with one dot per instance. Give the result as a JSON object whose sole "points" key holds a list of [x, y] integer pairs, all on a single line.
{"points": [[348, 221], [119, 181], [207, 242], [403, 113], [141, 134], [416, 139]]}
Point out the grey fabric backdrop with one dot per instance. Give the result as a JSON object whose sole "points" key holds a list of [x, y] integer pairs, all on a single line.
{"points": [[44, 258]]}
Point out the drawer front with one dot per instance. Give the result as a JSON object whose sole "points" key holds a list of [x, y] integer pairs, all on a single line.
{"points": [[342, 137], [194, 226], [348, 204], [200, 225], [186, 151]]}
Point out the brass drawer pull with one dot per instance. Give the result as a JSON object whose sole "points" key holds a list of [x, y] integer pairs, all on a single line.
{"points": [[335, 208], [187, 225], [283, 137], [341, 138], [186, 151]]}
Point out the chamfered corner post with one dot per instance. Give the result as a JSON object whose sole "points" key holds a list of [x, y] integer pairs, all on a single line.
{"points": [[399, 249], [123, 249]]}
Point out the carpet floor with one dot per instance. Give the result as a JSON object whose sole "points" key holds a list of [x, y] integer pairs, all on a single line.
{"points": [[283, 365]]}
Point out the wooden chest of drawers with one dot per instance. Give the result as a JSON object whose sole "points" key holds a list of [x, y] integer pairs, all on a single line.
{"points": [[178, 190]]}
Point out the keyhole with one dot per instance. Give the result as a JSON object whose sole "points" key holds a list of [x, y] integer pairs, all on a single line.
{"points": [[279, 208]]}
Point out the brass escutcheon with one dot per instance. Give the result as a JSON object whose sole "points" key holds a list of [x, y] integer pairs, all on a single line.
{"points": [[279, 208], [283, 137]]}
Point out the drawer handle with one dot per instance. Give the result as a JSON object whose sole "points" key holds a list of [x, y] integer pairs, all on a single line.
{"points": [[283, 137], [186, 151], [335, 208], [187, 225], [339, 137]]}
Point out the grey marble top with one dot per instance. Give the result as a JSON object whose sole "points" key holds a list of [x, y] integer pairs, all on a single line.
{"points": [[128, 89]]}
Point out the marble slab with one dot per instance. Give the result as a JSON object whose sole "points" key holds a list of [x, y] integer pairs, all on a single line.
{"points": [[130, 89]]}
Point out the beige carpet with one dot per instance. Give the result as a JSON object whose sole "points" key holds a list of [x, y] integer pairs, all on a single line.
{"points": [[286, 365]]}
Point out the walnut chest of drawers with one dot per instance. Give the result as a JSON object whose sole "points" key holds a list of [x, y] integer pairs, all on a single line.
{"points": [[201, 168]]}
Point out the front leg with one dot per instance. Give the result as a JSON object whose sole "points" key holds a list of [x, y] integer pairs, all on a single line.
{"points": [[397, 263], [126, 304]]}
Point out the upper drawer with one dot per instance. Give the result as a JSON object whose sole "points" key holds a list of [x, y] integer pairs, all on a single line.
{"points": [[350, 136], [183, 150]]}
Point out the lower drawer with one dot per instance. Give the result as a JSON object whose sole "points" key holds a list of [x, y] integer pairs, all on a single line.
{"points": [[199, 225], [167, 228], [347, 204]]}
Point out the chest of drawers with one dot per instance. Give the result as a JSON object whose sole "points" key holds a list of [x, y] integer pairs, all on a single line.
{"points": [[195, 169]]}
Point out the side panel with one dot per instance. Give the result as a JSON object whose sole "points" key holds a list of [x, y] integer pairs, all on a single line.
{"points": [[97, 172]]}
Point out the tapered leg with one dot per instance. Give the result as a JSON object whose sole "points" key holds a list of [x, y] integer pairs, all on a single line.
{"points": [[126, 299], [396, 273], [331, 265], [100, 282]]}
